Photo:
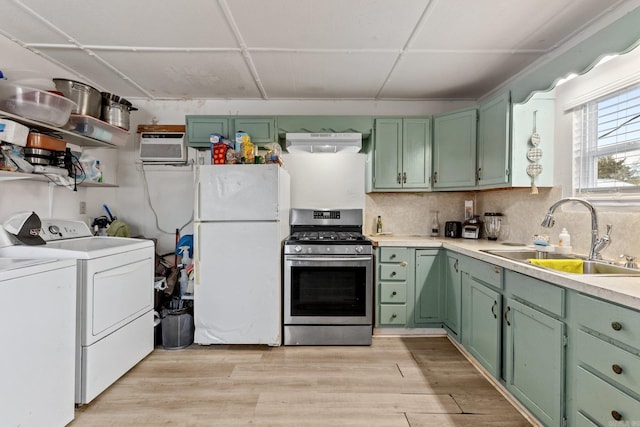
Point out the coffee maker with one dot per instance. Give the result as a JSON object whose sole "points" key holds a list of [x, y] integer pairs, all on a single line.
{"points": [[471, 228]]}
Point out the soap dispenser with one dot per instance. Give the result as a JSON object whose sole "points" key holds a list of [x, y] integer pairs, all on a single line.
{"points": [[564, 242]]}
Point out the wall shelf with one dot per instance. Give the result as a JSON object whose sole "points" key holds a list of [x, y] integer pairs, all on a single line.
{"points": [[6, 176], [69, 136]]}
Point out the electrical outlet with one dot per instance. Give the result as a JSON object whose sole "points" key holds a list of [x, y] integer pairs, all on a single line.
{"points": [[83, 208]]}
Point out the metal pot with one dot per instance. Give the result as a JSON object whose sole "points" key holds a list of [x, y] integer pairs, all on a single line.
{"points": [[86, 97], [116, 110]]}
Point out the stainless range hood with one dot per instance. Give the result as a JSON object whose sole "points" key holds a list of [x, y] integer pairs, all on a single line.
{"points": [[324, 142]]}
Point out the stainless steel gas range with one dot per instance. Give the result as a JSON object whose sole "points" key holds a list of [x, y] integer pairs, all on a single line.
{"points": [[328, 279]]}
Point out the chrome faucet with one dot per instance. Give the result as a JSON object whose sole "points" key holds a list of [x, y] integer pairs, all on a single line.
{"points": [[597, 244]]}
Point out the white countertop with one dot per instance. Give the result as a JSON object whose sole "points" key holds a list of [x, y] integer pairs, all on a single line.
{"points": [[624, 290]]}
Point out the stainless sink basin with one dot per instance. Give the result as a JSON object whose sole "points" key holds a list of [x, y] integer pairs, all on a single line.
{"points": [[589, 267], [525, 254]]}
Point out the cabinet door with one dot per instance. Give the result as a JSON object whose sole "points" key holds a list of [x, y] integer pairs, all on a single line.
{"points": [[334, 124], [428, 287], [199, 128], [261, 130], [452, 289], [481, 336], [416, 158], [454, 149], [535, 361], [388, 154], [493, 142]]}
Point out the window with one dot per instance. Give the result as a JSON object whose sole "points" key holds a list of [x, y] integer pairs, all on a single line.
{"points": [[606, 136]]}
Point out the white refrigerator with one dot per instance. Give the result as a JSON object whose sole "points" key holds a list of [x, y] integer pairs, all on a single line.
{"points": [[241, 218]]}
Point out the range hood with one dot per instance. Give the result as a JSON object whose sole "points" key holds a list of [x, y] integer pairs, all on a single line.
{"points": [[324, 142]]}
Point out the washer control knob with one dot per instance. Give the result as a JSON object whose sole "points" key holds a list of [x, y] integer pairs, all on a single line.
{"points": [[54, 229]]}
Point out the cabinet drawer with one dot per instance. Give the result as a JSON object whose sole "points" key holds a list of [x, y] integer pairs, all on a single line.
{"points": [[604, 403], [617, 322], [391, 254], [485, 272], [393, 292], [393, 272], [393, 314], [582, 421], [613, 362], [539, 293]]}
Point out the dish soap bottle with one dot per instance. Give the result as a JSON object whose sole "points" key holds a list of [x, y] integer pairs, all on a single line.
{"points": [[379, 225], [564, 239], [435, 227]]}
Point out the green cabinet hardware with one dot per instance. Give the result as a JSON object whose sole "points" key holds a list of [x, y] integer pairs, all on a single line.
{"points": [[452, 294], [401, 156], [481, 322], [454, 150], [493, 142], [428, 287], [535, 353]]}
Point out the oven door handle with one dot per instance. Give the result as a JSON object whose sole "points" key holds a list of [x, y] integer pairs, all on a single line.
{"points": [[356, 259]]}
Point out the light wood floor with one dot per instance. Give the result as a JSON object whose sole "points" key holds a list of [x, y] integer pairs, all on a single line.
{"points": [[398, 381]]}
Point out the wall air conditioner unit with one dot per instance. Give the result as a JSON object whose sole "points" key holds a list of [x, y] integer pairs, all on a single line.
{"points": [[162, 147], [324, 142]]}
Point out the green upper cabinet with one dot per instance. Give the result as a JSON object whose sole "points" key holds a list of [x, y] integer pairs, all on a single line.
{"points": [[429, 288], [261, 130], [494, 142], [325, 124], [454, 150], [199, 128], [401, 154]]}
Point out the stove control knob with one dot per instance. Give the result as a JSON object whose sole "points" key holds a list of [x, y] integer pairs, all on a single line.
{"points": [[298, 248], [54, 229], [359, 249]]}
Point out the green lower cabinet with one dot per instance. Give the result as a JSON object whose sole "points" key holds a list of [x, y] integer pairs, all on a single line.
{"points": [[452, 298], [535, 353], [481, 308], [393, 274], [429, 288]]}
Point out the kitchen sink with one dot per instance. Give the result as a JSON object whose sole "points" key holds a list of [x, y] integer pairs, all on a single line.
{"points": [[525, 254], [589, 267]]}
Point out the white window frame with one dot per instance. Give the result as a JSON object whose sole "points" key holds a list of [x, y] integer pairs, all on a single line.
{"points": [[586, 153]]}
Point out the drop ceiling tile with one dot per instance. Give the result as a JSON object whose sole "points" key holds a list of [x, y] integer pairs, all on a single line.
{"points": [[504, 24], [445, 75], [19, 24], [327, 24], [197, 23], [323, 75], [179, 75]]}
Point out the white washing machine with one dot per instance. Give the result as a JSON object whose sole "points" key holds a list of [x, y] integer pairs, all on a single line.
{"points": [[114, 307], [38, 336]]}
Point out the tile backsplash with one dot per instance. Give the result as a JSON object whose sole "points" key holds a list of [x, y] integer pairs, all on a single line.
{"points": [[411, 214]]}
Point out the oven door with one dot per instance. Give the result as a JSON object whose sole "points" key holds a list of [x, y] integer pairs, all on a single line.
{"points": [[328, 290]]}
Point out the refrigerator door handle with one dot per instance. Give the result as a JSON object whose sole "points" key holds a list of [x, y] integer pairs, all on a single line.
{"points": [[196, 253]]}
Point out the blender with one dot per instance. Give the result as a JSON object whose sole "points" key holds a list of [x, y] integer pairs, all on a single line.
{"points": [[492, 223]]}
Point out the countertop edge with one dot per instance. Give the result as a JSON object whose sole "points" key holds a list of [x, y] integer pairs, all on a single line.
{"points": [[623, 290]]}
